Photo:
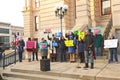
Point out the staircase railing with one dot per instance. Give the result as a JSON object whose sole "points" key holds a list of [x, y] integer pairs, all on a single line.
{"points": [[108, 29], [8, 59]]}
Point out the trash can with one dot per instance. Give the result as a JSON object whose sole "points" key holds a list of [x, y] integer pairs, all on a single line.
{"points": [[45, 64]]}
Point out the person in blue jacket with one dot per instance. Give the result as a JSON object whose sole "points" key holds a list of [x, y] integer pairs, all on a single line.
{"points": [[72, 50], [81, 51]]}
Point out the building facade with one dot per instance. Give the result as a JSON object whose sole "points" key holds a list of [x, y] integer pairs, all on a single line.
{"points": [[7, 32], [40, 15]]}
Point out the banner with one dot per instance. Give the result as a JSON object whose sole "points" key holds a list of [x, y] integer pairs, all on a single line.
{"points": [[30, 44], [42, 45], [69, 43], [113, 43], [81, 35]]}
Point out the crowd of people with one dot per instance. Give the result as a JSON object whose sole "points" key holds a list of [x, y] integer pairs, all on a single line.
{"points": [[86, 49]]}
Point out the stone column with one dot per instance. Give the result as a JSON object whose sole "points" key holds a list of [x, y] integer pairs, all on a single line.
{"points": [[115, 4], [83, 13]]}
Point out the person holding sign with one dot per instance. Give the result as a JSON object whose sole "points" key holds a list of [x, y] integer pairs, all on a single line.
{"points": [[72, 49], [29, 48], [113, 51], [62, 47], [44, 48]]}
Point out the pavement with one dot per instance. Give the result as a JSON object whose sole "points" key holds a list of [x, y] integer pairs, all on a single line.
{"points": [[75, 71]]}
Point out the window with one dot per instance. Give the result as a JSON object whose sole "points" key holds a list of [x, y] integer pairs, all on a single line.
{"points": [[36, 23], [37, 3], [5, 31], [4, 39], [106, 7]]}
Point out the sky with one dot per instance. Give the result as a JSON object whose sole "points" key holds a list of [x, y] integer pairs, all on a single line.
{"points": [[11, 12]]}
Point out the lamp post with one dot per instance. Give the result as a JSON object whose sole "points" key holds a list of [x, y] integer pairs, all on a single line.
{"points": [[60, 11]]}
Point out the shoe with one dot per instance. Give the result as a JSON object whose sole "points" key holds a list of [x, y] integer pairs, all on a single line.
{"points": [[86, 65], [29, 60], [92, 66]]}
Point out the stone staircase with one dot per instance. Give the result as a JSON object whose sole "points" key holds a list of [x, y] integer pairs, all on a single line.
{"points": [[20, 74]]}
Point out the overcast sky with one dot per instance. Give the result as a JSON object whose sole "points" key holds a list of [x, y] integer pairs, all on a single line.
{"points": [[11, 11]]}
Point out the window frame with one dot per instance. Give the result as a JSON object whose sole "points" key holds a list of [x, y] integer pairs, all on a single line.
{"points": [[102, 8], [37, 3], [36, 23]]}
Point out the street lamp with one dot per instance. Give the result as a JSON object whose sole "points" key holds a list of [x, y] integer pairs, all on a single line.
{"points": [[60, 11]]}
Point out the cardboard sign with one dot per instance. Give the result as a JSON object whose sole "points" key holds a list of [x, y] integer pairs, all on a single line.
{"points": [[113, 43], [76, 32], [30, 44], [69, 43], [96, 30], [47, 31], [81, 35], [43, 46], [59, 34], [54, 44]]}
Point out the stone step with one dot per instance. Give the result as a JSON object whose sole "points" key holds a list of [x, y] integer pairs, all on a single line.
{"points": [[20, 76], [13, 78], [48, 73]]}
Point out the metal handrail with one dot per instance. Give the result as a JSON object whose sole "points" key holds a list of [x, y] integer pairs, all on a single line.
{"points": [[108, 28], [8, 59]]}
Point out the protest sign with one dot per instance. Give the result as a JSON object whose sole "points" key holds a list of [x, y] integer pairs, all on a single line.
{"points": [[47, 30], [76, 32], [96, 30], [113, 43], [81, 35], [69, 43], [42, 45], [30, 44], [59, 34]]}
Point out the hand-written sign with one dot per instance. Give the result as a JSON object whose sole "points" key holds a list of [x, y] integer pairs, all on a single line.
{"points": [[113, 43], [69, 43], [81, 35], [30, 44]]}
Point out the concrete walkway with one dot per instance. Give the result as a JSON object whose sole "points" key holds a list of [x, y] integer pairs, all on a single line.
{"points": [[101, 71]]}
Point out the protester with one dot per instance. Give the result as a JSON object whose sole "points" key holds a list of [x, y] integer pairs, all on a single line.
{"points": [[53, 51], [21, 45], [44, 50], [89, 48], [81, 51], [29, 51], [113, 51], [35, 51], [72, 50], [98, 44], [62, 47]]}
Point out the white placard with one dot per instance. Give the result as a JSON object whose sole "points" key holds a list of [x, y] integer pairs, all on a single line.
{"points": [[113, 43]]}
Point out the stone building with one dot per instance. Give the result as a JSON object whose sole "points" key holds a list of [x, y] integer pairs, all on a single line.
{"points": [[40, 15], [7, 32]]}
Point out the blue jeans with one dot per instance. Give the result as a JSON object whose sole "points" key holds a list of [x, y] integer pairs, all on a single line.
{"points": [[62, 55], [89, 54], [98, 51], [113, 52]]}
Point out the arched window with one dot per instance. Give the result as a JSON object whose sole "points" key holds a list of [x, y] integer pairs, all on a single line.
{"points": [[106, 7]]}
